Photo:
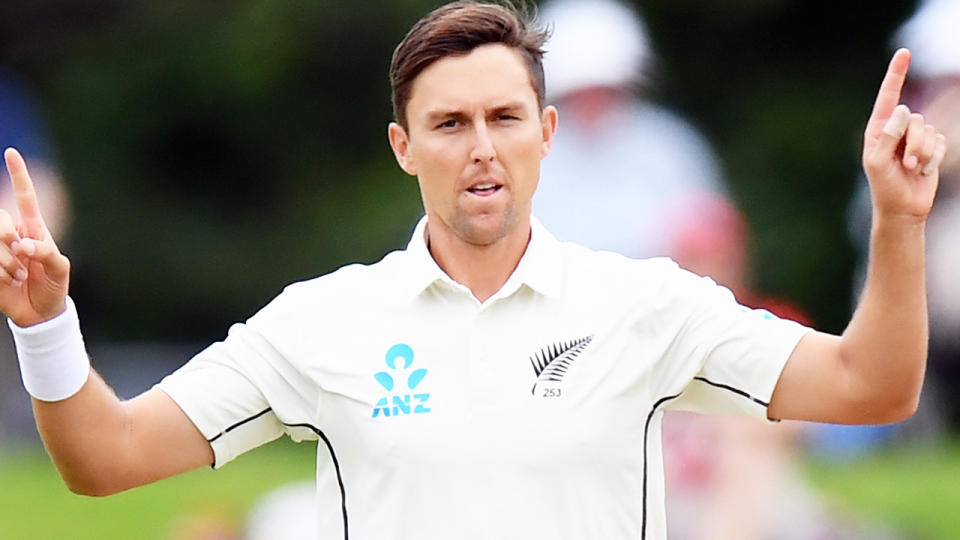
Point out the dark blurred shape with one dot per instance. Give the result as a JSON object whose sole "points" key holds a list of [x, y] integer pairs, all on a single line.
{"points": [[21, 126]]}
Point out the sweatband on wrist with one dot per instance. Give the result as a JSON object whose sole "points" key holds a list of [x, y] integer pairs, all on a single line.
{"points": [[53, 360]]}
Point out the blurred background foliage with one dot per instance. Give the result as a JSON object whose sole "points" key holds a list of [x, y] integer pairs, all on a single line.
{"points": [[216, 151]]}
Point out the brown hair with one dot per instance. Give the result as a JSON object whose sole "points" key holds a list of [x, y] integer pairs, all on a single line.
{"points": [[456, 29]]}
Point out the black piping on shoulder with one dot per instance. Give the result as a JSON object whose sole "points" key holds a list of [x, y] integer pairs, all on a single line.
{"points": [[646, 435], [732, 389], [336, 466], [240, 423]]}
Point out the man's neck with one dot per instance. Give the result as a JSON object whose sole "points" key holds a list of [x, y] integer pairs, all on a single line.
{"points": [[481, 268]]}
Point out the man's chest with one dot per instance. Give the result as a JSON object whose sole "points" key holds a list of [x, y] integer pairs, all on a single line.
{"points": [[535, 384]]}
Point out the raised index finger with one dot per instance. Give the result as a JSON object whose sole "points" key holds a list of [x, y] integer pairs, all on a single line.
{"points": [[25, 195], [889, 95]]}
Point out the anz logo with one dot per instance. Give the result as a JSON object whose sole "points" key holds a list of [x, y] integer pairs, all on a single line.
{"points": [[402, 401]]}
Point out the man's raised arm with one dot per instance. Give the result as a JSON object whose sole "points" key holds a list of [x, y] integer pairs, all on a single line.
{"points": [[99, 444], [874, 371]]}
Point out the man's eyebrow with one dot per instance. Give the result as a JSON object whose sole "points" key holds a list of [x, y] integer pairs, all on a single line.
{"points": [[440, 114], [510, 106]]}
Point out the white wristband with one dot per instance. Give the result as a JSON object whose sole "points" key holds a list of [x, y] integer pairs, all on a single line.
{"points": [[53, 361]]}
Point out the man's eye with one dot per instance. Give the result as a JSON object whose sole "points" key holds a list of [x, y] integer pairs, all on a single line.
{"points": [[447, 124], [507, 118]]}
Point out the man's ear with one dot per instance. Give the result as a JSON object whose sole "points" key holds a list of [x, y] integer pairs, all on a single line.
{"points": [[549, 122], [400, 144]]}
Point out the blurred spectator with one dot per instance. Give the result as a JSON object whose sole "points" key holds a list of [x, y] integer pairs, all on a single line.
{"points": [[933, 89], [730, 476], [21, 126], [727, 476], [714, 241], [203, 525], [621, 167], [287, 512]]}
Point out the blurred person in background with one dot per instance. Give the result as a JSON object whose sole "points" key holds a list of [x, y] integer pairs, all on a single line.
{"points": [[22, 125], [932, 89], [622, 167], [628, 175], [730, 477], [285, 512], [204, 525]]}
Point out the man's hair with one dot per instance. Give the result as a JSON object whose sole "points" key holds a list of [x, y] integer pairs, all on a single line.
{"points": [[458, 28]]}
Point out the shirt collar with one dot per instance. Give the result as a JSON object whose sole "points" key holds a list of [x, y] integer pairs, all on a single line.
{"points": [[539, 268], [423, 271]]}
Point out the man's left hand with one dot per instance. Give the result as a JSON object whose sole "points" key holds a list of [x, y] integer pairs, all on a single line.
{"points": [[901, 152]]}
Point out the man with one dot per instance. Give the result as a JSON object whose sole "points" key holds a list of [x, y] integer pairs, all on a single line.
{"points": [[487, 382]]}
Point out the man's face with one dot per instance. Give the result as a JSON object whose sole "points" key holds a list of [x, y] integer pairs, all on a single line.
{"points": [[475, 140]]}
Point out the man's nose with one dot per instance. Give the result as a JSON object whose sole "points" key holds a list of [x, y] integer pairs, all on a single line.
{"points": [[483, 150]]}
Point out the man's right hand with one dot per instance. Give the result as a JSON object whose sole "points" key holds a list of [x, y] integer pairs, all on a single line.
{"points": [[99, 444], [34, 275]]}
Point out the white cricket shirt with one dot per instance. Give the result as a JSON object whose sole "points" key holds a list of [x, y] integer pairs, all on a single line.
{"points": [[535, 414]]}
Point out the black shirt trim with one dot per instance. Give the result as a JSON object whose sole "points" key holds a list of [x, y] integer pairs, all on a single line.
{"points": [[240, 423], [732, 389], [336, 466], [646, 433]]}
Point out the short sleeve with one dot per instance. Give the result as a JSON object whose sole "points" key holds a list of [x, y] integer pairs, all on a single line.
{"points": [[238, 392], [736, 354]]}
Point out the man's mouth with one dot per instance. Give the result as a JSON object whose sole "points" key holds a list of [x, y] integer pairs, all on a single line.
{"points": [[484, 189]]}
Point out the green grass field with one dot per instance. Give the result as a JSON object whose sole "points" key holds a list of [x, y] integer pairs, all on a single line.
{"points": [[34, 504], [916, 490]]}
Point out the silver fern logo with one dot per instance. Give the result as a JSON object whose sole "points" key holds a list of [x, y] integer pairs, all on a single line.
{"points": [[552, 362]]}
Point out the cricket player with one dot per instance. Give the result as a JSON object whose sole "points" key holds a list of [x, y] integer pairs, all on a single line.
{"points": [[487, 381]]}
